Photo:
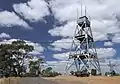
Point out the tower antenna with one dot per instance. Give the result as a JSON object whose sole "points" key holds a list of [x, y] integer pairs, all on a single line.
{"points": [[77, 15], [81, 10], [85, 11]]}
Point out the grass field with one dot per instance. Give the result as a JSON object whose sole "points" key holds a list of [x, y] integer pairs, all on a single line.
{"points": [[86, 80], [62, 80]]}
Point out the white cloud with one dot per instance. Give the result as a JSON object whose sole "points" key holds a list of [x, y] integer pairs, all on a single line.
{"points": [[101, 28], [61, 56], [106, 52], [108, 43], [61, 44], [9, 19], [65, 10], [8, 41], [65, 13], [33, 10], [103, 17], [38, 49], [99, 37], [98, 29], [106, 68], [64, 31], [102, 53], [54, 48], [4, 35], [116, 38], [61, 65]]}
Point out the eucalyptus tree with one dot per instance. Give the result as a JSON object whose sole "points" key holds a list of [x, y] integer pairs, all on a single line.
{"points": [[12, 57]]}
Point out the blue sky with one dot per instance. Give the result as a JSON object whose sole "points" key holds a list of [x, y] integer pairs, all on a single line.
{"points": [[48, 25]]}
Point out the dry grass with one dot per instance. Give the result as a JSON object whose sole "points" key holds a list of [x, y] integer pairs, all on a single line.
{"points": [[86, 80], [62, 80], [26, 80]]}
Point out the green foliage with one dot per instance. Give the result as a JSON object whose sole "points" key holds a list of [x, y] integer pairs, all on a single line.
{"points": [[93, 72], [12, 57], [49, 73], [112, 73], [72, 72], [49, 69], [35, 68]]}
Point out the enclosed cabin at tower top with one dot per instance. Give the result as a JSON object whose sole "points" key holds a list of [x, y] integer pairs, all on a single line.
{"points": [[83, 35], [83, 22]]}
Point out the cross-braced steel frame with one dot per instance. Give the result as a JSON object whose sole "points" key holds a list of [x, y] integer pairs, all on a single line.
{"points": [[83, 50]]}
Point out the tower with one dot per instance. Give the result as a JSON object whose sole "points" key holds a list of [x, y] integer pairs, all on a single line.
{"points": [[83, 50], [111, 66]]}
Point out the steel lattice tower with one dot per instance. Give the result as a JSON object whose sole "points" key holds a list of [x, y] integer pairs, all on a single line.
{"points": [[83, 50], [111, 66]]}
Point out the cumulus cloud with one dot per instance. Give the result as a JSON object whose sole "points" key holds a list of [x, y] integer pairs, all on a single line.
{"points": [[106, 68], [65, 44], [99, 33], [102, 15], [59, 45], [106, 52], [4, 35], [108, 43], [116, 38], [103, 53], [65, 10], [33, 10], [38, 49], [61, 65], [63, 30], [9, 19], [61, 56]]}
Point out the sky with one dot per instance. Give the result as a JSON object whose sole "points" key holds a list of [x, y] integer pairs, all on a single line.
{"points": [[49, 25]]}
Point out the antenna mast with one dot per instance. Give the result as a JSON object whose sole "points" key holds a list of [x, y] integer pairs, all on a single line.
{"points": [[81, 10]]}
